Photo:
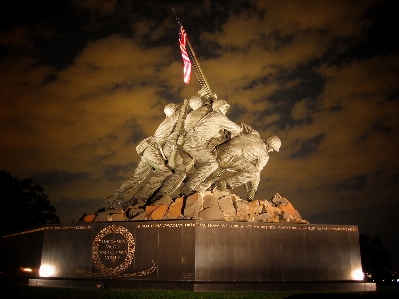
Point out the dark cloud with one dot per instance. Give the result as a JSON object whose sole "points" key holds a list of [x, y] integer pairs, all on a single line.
{"points": [[113, 171], [308, 146], [136, 135], [58, 177], [354, 183]]}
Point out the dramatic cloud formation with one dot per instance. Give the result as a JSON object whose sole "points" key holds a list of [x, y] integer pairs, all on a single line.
{"points": [[83, 82]]}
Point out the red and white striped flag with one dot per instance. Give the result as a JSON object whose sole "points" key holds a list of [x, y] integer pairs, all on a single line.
{"points": [[183, 44]]}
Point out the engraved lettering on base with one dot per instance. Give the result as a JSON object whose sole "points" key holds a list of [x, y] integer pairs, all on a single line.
{"points": [[113, 250]]}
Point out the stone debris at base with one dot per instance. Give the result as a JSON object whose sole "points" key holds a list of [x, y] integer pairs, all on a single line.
{"points": [[208, 205]]}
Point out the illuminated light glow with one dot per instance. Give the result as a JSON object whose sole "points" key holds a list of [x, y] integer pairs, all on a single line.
{"points": [[26, 269], [46, 271], [358, 274]]}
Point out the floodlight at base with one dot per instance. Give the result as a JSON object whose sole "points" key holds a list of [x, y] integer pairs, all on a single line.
{"points": [[358, 274], [26, 269], [46, 271]]}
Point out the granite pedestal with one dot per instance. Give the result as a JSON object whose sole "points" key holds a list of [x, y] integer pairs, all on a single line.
{"points": [[194, 255]]}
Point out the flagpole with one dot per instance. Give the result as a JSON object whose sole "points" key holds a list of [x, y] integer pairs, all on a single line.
{"points": [[197, 68]]}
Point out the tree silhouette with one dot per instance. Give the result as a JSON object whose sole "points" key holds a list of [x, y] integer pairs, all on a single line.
{"points": [[376, 261], [24, 205]]}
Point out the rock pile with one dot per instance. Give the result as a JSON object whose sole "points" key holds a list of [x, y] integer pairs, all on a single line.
{"points": [[209, 205]]}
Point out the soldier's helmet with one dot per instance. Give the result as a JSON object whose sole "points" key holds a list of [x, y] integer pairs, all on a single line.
{"points": [[170, 109], [203, 92], [274, 142], [213, 97], [218, 104], [195, 102]]}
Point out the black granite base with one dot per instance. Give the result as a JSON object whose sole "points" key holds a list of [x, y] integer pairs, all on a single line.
{"points": [[195, 255], [347, 286]]}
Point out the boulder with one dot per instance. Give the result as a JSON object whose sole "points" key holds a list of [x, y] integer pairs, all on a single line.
{"points": [[138, 216], [277, 199], [217, 193], [286, 217], [212, 213], [253, 207], [210, 205], [289, 209], [262, 217], [164, 200], [89, 218], [111, 215], [113, 211], [175, 209], [241, 210], [193, 206], [263, 204], [226, 205], [150, 209], [210, 201], [132, 212], [156, 212], [272, 212]]}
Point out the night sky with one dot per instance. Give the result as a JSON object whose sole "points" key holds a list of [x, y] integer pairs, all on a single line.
{"points": [[84, 81]]}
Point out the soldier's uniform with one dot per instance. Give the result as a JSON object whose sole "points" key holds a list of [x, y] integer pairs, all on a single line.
{"points": [[196, 145], [246, 155], [183, 162], [151, 160]]}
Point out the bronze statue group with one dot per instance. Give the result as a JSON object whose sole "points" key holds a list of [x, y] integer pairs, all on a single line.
{"points": [[191, 149]]}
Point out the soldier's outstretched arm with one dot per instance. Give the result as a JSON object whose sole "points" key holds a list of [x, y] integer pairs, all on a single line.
{"points": [[230, 126]]}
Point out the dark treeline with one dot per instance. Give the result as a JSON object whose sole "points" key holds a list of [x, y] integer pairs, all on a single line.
{"points": [[24, 204]]}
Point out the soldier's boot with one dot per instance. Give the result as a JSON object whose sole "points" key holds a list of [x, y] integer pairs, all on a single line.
{"points": [[111, 202], [222, 185], [186, 191], [251, 195]]}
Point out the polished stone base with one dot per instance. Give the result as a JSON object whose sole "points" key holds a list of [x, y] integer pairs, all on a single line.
{"points": [[347, 286], [195, 255]]}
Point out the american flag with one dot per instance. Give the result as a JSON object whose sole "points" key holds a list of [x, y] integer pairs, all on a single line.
{"points": [[183, 50]]}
